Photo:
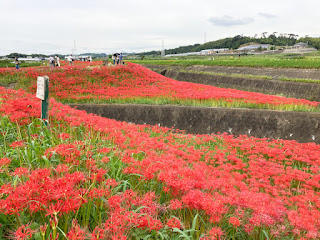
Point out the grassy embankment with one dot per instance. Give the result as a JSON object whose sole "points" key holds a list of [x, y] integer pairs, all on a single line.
{"points": [[307, 61], [235, 75], [277, 61]]}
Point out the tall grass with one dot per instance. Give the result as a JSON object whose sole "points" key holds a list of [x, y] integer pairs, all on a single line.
{"points": [[224, 103]]}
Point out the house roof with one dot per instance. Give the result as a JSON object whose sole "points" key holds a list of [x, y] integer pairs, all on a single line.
{"points": [[254, 46]]}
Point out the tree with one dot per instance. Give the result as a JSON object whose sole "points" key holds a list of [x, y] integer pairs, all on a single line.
{"points": [[14, 55]]}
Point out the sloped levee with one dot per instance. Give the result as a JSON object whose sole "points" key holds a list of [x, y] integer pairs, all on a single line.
{"points": [[309, 91], [275, 87], [299, 126]]}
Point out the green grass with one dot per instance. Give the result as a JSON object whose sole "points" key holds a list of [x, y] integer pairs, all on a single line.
{"points": [[275, 61], [10, 63], [235, 75], [17, 77], [223, 103], [306, 80]]}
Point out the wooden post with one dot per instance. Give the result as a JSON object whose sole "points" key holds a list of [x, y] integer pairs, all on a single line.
{"points": [[43, 94]]}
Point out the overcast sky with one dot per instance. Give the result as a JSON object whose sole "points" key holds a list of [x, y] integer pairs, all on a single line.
{"points": [[103, 26]]}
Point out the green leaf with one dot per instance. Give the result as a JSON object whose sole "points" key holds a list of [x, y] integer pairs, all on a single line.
{"points": [[266, 234]]}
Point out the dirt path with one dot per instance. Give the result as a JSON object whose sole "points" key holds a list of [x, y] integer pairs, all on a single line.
{"points": [[11, 85]]}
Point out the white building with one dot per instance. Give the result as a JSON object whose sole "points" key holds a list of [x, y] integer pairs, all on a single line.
{"points": [[254, 47], [300, 45], [213, 51], [29, 59], [182, 54]]}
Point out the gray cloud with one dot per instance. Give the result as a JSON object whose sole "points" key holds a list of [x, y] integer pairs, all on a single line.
{"points": [[230, 21], [266, 15]]}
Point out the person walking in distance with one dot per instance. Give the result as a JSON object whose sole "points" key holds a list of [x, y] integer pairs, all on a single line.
{"points": [[120, 59], [16, 62], [57, 61], [113, 59], [69, 58], [51, 62], [117, 58]]}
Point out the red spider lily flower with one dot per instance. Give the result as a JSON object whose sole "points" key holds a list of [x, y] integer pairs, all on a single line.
{"points": [[234, 221], [112, 182], [43, 229], [215, 233], [21, 171], [24, 232], [97, 234], [105, 159], [68, 152], [91, 165], [17, 144], [174, 223], [64, 136], [62, 168], [175, 204], [54, 222], [6, 189], [4, 162], [53, 210], [146, 221], [76, 233], [98, 193], [105, 150], [99, 175]]}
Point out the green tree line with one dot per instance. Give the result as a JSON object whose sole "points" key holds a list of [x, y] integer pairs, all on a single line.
{"points": [[315, 42], [238, 40]]}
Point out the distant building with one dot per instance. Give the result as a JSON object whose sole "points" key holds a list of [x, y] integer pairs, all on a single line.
{"points": [[29, 59], [182, 54], [213, 51], [300, 45], [254, 47]]}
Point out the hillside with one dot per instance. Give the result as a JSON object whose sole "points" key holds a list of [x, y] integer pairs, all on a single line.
{"points": [[238, 40]]}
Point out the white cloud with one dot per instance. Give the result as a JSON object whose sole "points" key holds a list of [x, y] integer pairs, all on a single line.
{"points": [[267, 15], [227, 21]]}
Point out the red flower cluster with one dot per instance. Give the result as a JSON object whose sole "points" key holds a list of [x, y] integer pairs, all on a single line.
{"points": [[159, 176], [101, 84]]}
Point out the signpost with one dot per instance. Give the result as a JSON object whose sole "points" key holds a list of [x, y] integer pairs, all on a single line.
{"points": [[43, 94]]}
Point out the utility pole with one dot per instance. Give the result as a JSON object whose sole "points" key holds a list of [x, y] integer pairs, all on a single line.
{"points": [[74, 47], [162, 49]]}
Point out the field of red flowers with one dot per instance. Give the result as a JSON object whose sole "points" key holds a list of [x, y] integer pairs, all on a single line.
{"points": [[133, 83], [87, 177]]}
